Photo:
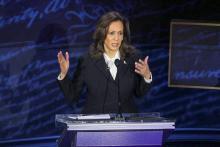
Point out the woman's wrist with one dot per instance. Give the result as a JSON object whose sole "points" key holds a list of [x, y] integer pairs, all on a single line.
{"points": [[147, 75]]}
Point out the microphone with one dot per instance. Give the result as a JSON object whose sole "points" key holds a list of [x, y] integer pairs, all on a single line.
{"points": [[117, 63], [119, 116], [107, 66]]}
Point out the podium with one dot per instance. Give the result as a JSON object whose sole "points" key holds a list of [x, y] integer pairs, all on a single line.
{"points": [[145, 129]]}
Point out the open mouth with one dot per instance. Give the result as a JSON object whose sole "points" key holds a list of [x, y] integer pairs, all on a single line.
{"points": [[115, 45]]}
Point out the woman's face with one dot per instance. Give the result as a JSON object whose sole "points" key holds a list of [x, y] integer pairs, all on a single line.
{"points": [[114, 36]]}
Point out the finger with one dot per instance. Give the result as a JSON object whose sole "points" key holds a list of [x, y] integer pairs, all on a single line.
{"points": [[141, 61], [61, 57], [67, 56], [59, 54], [146, 59], [140, 66], [139, 72]]}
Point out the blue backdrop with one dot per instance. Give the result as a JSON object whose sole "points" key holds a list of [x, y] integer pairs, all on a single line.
{"points": [[32, 32]]}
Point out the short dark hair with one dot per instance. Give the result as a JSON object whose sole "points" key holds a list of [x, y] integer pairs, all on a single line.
{"points": [[97, 48]]}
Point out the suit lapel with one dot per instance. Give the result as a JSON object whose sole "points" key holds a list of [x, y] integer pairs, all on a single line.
{"points": [[122, 69], [101, 65]]}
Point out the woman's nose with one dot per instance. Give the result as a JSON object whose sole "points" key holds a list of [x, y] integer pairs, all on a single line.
{"points": [[116, 37]]}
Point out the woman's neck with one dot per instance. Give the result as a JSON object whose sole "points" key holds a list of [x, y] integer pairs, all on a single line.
{"points": [[111, 54]]}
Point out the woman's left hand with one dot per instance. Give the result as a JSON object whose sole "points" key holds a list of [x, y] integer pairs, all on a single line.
{"points": [[142, 68]]}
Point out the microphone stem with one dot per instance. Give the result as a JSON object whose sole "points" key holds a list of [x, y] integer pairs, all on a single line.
{"points": [[119, 99], [119, 116]]}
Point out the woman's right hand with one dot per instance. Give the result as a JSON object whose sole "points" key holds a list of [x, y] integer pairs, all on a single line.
{"points": [[64, 63]]}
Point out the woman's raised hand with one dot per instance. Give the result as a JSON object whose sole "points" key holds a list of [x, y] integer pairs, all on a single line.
{"points": [[63, 62], [142, 68]]}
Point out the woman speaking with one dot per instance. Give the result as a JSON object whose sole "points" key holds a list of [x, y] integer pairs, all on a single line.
{"points": [[112, 72]]}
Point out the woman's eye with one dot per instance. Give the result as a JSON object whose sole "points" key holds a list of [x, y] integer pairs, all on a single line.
{"points": [[112, 33]]}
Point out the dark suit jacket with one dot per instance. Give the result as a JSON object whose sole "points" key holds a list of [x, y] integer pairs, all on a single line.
{"points": [[102, 90]]}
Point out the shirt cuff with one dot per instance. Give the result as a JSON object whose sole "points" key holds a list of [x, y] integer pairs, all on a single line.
{"points": [[149, 80], [60, 77]]}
